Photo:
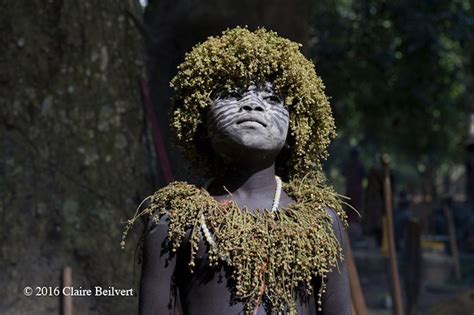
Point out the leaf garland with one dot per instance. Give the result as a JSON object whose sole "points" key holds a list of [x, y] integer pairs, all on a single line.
{"points": [[277, 252]]}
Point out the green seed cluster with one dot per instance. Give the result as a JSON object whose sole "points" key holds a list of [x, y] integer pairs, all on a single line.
{"points": [[281, 251], [234, 60]]}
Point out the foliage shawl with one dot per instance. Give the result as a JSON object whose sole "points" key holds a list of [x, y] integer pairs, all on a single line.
{"points": [[275, 252]]}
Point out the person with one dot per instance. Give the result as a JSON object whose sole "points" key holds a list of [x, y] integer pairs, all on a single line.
{"points": [[354, 173], [248, 108]]}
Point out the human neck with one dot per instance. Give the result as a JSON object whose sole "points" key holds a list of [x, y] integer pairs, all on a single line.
{"points": [[246, 181]]}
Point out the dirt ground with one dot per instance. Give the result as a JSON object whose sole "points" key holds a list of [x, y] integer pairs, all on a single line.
{"points": [[447, 297]]}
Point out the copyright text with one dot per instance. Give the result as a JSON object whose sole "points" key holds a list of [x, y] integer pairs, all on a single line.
{"points": [[76, 291]]}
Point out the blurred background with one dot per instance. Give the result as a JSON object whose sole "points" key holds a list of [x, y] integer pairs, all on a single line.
{"points": [[84, 99]]}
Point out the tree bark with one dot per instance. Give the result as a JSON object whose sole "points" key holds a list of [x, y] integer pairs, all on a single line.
{"points": [[72, 161]]}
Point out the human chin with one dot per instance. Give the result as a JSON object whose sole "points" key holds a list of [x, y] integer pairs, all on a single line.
{"points": [[255, 141]]}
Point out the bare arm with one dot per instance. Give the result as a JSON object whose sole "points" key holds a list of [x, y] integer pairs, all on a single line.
{"points": [[157, 292], [337, 299]]}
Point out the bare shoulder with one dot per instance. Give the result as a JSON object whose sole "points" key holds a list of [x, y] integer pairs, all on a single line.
{"points": [[337, 225], [156, 234], [157, 224]]}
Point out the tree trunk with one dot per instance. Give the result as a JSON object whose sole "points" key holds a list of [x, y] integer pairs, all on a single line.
{"points": [[72, 161]]}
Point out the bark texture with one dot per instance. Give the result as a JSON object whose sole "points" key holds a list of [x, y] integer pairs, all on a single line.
{"points": [[72, 158]]}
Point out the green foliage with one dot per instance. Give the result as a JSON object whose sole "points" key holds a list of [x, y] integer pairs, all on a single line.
{"points": [[280, 251], [397, 75]]}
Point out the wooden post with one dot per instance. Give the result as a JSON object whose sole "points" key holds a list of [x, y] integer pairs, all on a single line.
{"points": [[413, 264], [387, 189], [470, 162], [358, 302], [67, 300], [452, 241]]}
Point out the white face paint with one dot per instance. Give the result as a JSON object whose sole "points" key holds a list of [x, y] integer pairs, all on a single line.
{"points": [[252, 119]]}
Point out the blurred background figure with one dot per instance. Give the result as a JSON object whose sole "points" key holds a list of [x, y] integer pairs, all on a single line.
{"points": [[402, 214], [354, 173], [374, 208]]}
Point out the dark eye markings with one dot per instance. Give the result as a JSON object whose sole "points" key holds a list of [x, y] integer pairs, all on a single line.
{"points": [[225, 95], [273, 99], [237, 95], [234, 95]]}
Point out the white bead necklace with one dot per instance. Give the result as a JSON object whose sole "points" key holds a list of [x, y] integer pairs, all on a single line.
{"points": [[276, 198], [276, 202]]}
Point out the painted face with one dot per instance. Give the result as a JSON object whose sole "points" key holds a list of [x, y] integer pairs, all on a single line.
{"points": [[251, 119]]}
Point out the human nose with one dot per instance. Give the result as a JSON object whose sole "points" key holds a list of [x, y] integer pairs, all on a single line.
{"points": [[252, 106]]}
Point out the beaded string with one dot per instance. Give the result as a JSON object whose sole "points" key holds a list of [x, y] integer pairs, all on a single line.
{"points": [[276, 198], [276, 202]]}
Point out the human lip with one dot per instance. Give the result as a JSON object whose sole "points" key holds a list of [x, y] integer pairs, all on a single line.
{"points": [[251, 120]]}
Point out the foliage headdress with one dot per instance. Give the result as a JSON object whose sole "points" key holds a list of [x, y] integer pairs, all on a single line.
{"points": [[235, 59]]}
